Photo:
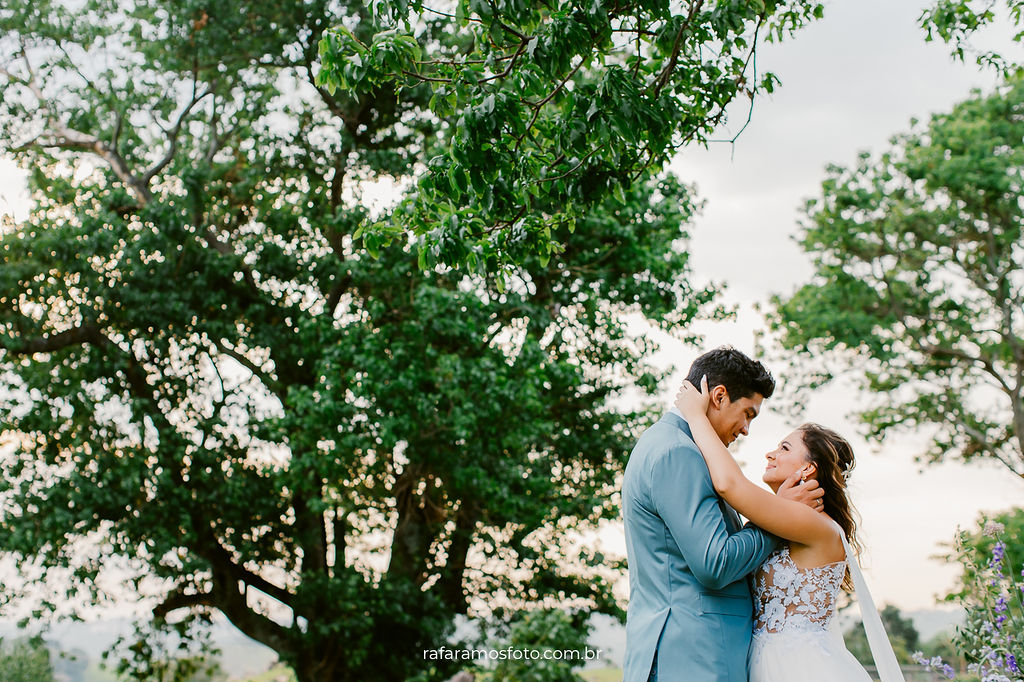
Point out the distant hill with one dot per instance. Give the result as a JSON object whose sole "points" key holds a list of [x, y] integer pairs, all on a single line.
{"points": [[930, 622]]}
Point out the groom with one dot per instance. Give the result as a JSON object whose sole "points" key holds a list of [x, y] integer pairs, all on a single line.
{"points": [[690, 611]]}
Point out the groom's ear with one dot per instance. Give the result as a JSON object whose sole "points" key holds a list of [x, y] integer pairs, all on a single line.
{"points": [[718, 396]]}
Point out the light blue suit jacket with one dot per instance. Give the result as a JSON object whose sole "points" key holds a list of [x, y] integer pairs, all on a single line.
{"points": [[689, 557]]}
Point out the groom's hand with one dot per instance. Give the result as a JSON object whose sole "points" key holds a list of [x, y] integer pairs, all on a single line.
{"points": [[809, 493]]}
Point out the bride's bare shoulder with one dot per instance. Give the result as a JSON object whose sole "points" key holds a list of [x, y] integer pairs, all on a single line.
{"points": [[827, 551]]}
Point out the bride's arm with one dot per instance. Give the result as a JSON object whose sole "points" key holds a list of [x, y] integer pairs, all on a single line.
{"points": [[785, 518]]}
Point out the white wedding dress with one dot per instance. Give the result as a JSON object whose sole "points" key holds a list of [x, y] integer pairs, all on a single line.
{"points": [[793, 640]]}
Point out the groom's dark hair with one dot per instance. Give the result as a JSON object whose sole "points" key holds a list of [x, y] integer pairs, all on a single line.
{"points": [[726, 366]]}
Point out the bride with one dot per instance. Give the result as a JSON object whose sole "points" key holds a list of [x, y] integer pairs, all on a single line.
{"points": [[795, 589]]}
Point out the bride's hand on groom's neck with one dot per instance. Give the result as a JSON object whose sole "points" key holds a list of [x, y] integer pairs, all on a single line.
{"points": [[691, 401], [809, 493]]}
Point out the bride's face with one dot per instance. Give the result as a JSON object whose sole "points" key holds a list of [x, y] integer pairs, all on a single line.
{"points": [[791, 455]]}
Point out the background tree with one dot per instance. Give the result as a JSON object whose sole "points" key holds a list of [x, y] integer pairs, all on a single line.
{"points": [[919, 280], [206, 382], [25, 660], [902, 634], [158, 651]]}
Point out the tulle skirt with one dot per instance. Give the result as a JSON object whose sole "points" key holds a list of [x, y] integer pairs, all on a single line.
{"points": [[796, 655]]}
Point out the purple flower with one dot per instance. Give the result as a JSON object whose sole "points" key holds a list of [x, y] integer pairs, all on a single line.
{"points": [[996, 560], [934, 663], [1001, 604], [1011, 663]]}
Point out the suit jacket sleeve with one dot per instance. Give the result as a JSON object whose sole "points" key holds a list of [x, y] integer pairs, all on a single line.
{"points": [[685, 499]]}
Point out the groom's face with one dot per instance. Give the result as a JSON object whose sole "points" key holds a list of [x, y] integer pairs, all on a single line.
{"points": [[731, 418]]}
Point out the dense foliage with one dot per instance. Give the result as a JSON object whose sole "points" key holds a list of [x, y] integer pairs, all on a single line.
{"points": [[919, 280], [550, 108]]}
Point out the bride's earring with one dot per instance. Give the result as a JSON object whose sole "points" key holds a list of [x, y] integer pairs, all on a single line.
{"points": [[803, 477]]}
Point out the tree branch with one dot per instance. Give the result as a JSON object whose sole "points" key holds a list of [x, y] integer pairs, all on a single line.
{"points": [[177, 599], [270, 382], [677, 47], [540, 105], [513, 58], [65, 137], [574, 168], [231, 601], [172, 135], [221, 559], [985, 363], [86, 333], [982, 440]]}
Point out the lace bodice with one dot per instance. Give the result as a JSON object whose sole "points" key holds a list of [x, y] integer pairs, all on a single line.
{"points": [[789, 597]]}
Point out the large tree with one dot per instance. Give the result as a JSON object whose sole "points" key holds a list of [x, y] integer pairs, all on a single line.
{"points": [[207, 381], [919, 280]]}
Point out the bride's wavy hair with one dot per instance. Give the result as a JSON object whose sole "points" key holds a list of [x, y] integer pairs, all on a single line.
{"points": [[833, 456]]}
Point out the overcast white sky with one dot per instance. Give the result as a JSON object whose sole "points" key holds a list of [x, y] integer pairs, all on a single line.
{"points": [[849, 82]]}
